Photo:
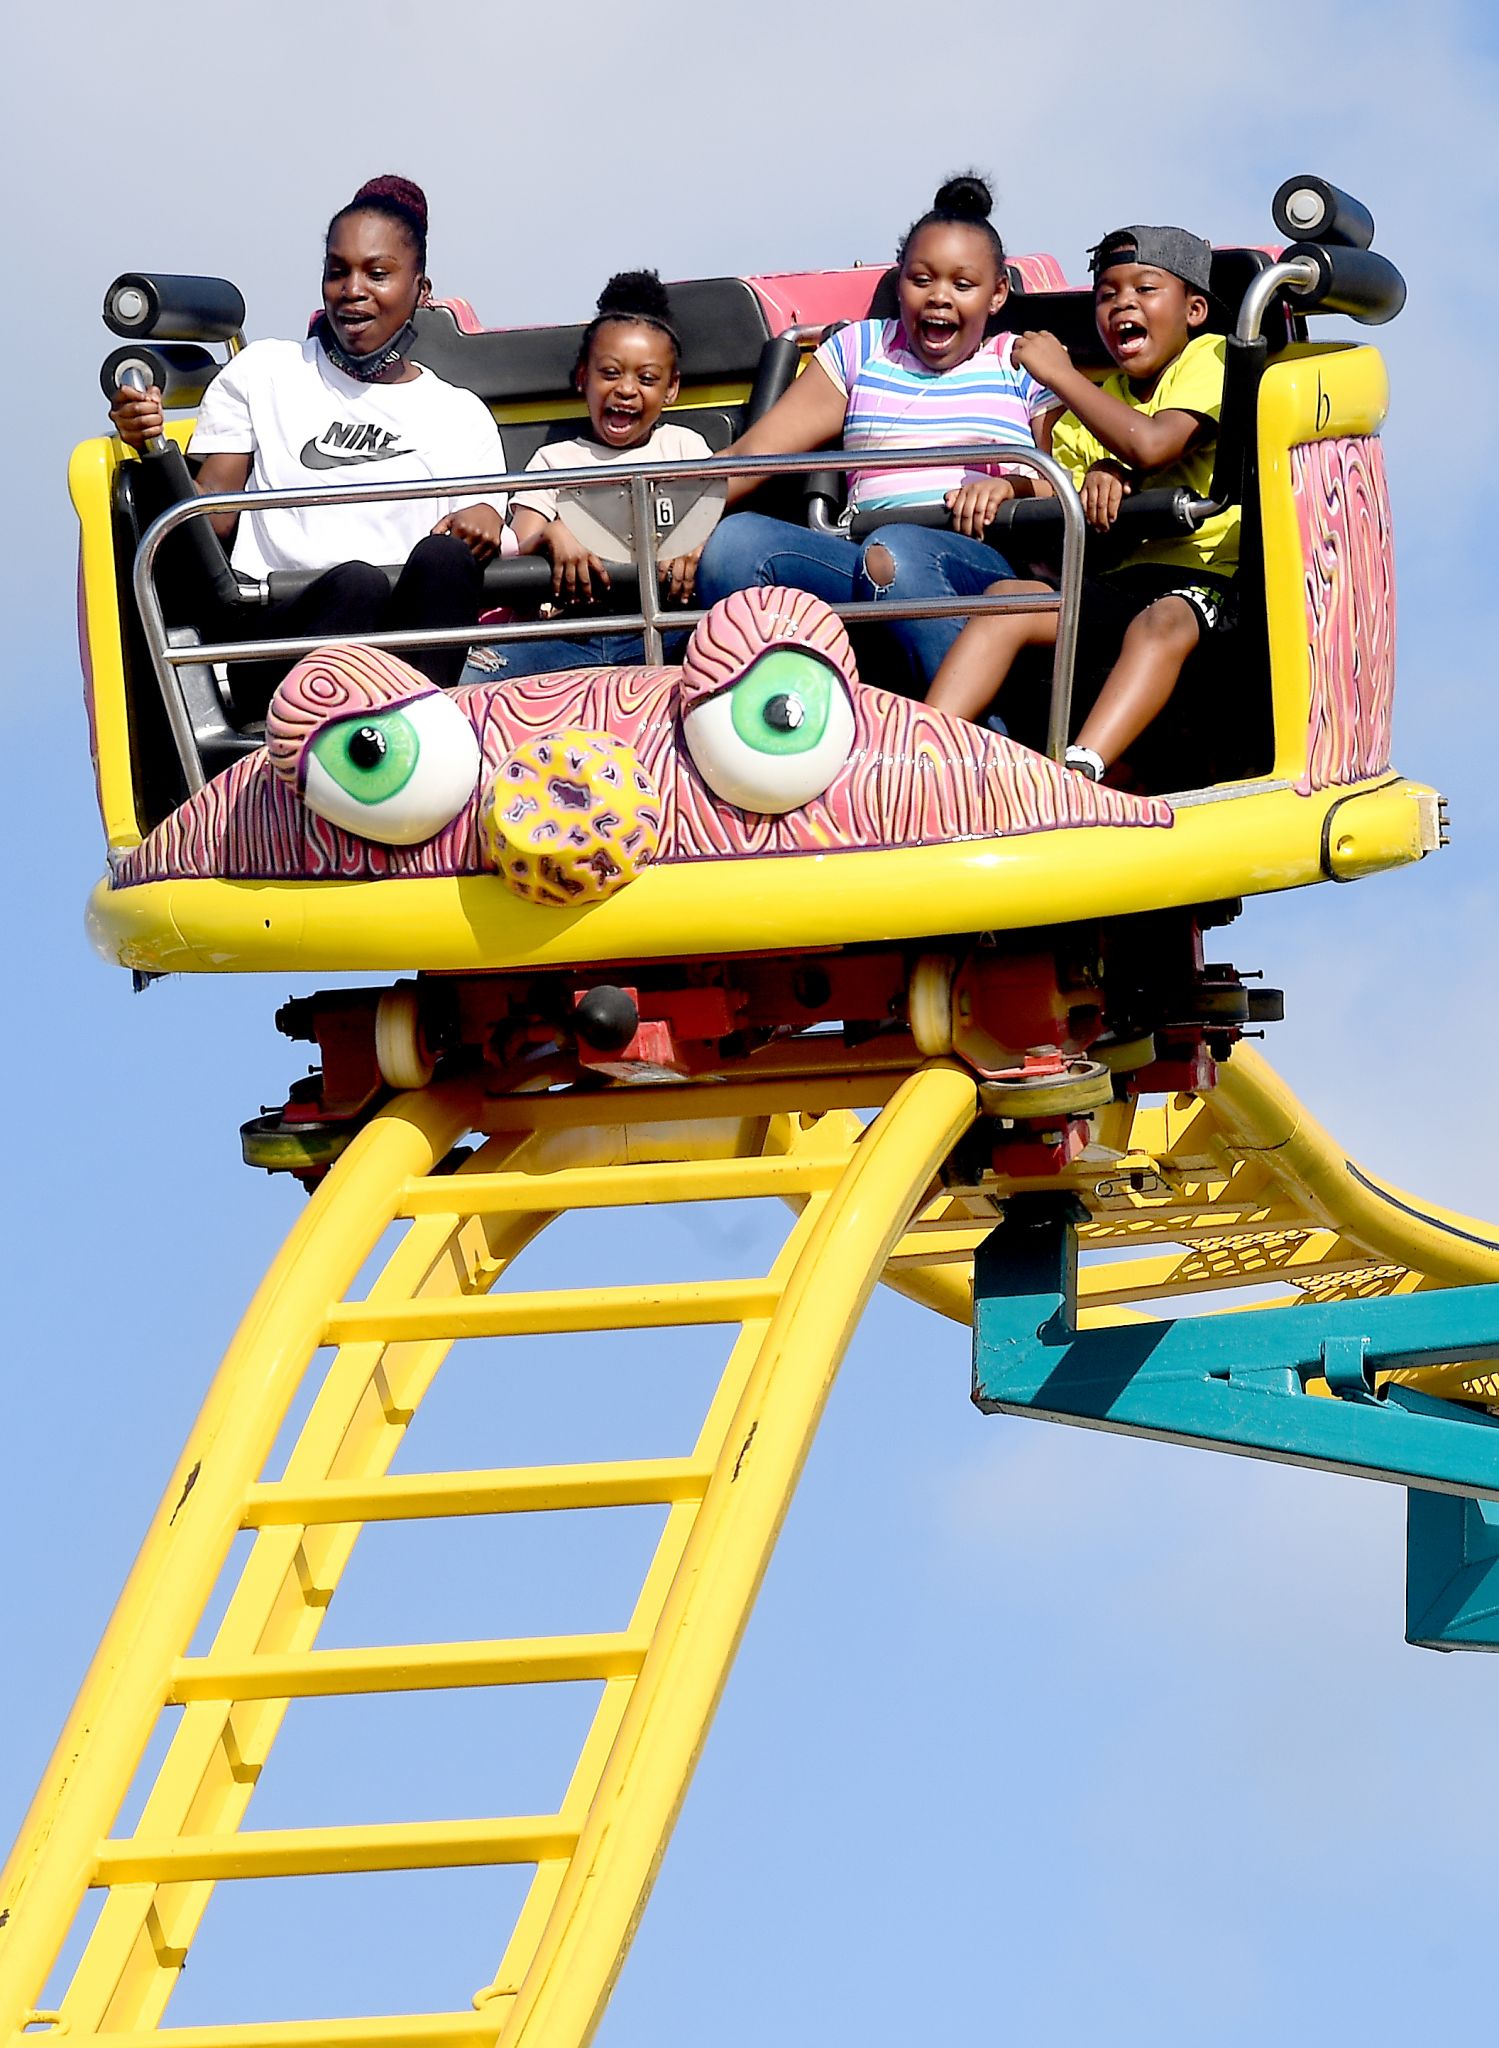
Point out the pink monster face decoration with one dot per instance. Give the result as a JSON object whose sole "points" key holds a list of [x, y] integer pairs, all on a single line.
{"points": [[571, 818], [369, 744], [754, 622], [764, 743], [766, 708]]}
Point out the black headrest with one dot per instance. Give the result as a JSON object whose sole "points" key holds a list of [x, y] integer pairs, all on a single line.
{"points": [[885, 304], [719, 319], [1069, 315]]}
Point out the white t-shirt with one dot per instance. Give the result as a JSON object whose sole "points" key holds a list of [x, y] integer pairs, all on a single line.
{"points": [[305, 424], [668, 442]]}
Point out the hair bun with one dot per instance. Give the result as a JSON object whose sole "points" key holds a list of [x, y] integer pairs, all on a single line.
{"points": [[398, 192], [635, 291], [966, 198]]}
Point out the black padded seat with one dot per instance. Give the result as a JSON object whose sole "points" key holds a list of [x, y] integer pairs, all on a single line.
{"points": [[720, 321]]}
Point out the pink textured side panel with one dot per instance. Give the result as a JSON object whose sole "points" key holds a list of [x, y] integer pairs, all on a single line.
{"points": [[815, 297], [464, 316], [1348, 571], [913, 777], [332, 683], [1040, 273], [749, 623]]}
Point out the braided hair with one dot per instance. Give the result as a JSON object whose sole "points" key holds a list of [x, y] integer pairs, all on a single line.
{"points": [[964, 201], [638, 298], [398, 199]]}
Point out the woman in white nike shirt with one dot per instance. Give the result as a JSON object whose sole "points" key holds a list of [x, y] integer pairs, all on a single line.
{"points": [[346, 403]]}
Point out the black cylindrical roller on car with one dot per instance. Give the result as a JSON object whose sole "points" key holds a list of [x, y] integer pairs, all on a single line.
{"points": [[1309, 209], [1148, 514], [180, 370], [150, 305], [1358, 282], [864, 523], [506, 579]]}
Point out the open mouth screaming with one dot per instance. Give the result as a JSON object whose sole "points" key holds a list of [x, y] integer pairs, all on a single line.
{"points": [[619, 423], [1129, 339]]}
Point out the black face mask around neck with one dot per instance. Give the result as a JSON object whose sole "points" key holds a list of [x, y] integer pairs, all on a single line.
{"points": [[369, 368]]}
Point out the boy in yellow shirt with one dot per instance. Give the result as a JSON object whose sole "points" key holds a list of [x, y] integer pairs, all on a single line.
{"points": [[1151, 423]]}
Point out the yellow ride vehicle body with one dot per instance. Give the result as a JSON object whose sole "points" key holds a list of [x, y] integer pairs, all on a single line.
{"points": [[1327, 805]]}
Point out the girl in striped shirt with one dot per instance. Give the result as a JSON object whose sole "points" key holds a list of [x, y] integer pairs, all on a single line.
{"points": [[927, 379]]}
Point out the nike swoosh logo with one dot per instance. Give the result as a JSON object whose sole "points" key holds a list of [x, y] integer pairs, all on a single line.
{"points": [[314, 457]]}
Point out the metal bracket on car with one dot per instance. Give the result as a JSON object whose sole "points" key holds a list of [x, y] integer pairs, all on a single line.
{"points": [[1306, 1385]]}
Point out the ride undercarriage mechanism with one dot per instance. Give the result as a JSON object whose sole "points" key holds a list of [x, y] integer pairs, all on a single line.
{"points": [[750, 925]]}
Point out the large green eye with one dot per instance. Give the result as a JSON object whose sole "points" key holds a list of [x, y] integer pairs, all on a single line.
{"points": [[775, 739], [370, 759], [394, 776], [781, 706]]}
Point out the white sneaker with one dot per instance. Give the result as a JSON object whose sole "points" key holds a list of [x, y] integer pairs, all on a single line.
{"points": [[1083, 761]]}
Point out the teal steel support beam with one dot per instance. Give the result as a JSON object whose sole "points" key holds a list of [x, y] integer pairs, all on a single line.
{"points": [[1239, 1383], [1451, 1572]]}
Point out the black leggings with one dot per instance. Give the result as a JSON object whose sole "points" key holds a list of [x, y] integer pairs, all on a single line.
{"points": [[440, 585]]}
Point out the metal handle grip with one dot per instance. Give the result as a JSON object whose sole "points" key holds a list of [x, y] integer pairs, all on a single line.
{"points": [[134, 375]]}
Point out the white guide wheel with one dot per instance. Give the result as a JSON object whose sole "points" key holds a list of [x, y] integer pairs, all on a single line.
{"points": [[400, 1050], [929, 1004]]}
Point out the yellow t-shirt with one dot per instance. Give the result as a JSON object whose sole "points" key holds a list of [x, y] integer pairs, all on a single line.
{"points": [[1193, 383]]}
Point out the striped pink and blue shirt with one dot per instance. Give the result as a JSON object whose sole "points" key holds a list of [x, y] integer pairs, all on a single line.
{"points": [[895, 401]]}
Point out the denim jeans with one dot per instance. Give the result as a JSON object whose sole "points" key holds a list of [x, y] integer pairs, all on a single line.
{"points": [[499, 661], [748, 550]]}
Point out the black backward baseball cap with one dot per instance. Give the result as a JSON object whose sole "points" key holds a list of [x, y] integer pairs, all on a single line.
{"points": [[1184, 255]]}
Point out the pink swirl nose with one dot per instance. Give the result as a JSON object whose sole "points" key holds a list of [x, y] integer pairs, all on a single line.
{"points": [[571, 818]]}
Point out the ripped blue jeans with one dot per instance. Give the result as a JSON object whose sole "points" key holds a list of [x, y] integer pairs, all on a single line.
{"points": [[747, 550]]}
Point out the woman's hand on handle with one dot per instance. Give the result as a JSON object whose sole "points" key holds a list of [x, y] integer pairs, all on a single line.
{"points": [[479, 527], [137, 415], [974, 505]]}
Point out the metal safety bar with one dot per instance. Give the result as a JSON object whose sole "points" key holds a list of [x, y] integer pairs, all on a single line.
{"points": [[1300, 273], [167, 659]]}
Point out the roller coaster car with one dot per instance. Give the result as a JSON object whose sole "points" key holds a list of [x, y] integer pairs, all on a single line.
{"points": [[809, 850]]}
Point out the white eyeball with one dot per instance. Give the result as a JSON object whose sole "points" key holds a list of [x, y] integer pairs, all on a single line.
{"points": [[777, 737], [396, 776]]}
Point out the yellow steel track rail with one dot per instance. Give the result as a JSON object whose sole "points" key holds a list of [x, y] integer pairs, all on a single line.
{"points": [[1214, 1201], [660, 1676], [1223, 1195]]}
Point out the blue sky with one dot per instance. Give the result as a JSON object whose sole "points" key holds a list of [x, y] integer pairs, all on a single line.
{"points": [[1035, 1734]]}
